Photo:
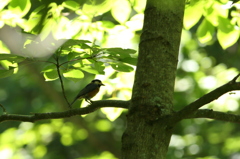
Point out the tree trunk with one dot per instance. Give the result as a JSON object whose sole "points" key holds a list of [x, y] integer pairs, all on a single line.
{"points": [[148, 130]]}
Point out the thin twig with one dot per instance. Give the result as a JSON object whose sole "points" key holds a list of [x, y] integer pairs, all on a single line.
{"points": [[61, 81], [4, 110], [234, 79]]}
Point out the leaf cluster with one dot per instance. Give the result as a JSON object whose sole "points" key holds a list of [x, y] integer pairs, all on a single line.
{"points": [[75, 57]]}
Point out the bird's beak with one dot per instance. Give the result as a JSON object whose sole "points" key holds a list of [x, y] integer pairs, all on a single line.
{"points": [[102, 84]]}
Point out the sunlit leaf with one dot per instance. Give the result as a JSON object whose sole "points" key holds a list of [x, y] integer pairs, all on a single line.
{"points": [[3, 3], [71, 5], [227, 34], [20, 7], [49, 68], [214, 10], [121, 10], [73, 74], [205, 31], [191, 19], [8, 65], [3, 48], [107, 24], [34, 19], [97, 7], [139, 5], [50, 75], [72, 42], [90, 70], [48, 28]]}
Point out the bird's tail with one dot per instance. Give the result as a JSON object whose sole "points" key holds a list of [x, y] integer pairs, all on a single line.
{"points": [[73, 101]]}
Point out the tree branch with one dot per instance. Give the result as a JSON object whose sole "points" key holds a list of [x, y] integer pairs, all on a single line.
{"points": [[72, 112], [208, 113], [207, 98]]}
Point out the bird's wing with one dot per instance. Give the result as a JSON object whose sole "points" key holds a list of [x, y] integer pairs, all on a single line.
{"points": [[89, 88]]}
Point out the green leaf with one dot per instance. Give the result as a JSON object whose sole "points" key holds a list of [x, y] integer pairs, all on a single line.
{"points": [[130, 60], [72, 42], [214, 10], [49, 68], [121, 10], [7, 65], [139, 5], [51, 75], [97, 7], [191, 19], [34, 20], [227, 34], [20, 7], [122, 67], [90, 70], [120, 52], [73, 55], [205, 31], [71, 5], [3, 48], [73, 73], [48, 27], [99, 67], [12, 58], [107, 24], [6, 73]]}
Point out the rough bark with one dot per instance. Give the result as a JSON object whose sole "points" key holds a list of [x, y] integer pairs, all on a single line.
{"points": [[148, 129]]}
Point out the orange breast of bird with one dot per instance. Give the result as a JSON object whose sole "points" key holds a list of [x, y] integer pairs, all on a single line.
{"points": [[92, 93]]}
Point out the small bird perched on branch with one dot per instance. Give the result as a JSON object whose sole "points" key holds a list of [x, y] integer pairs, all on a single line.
{"points": [[89, 91]]}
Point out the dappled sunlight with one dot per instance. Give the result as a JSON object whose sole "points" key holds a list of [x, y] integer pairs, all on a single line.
{"points": [[208, 82], [190, 66]]}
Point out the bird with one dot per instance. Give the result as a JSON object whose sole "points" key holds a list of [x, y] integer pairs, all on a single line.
{"points": [[89, 91]]}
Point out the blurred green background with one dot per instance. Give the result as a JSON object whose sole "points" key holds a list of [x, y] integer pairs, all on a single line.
{"points": [[209, 57]]}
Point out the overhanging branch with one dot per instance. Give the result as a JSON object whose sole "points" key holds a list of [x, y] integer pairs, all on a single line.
{"points": [[65, 114], [207, 98], [208, 113]]}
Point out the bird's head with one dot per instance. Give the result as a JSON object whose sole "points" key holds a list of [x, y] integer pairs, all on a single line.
{"points": [[98, 82]]}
